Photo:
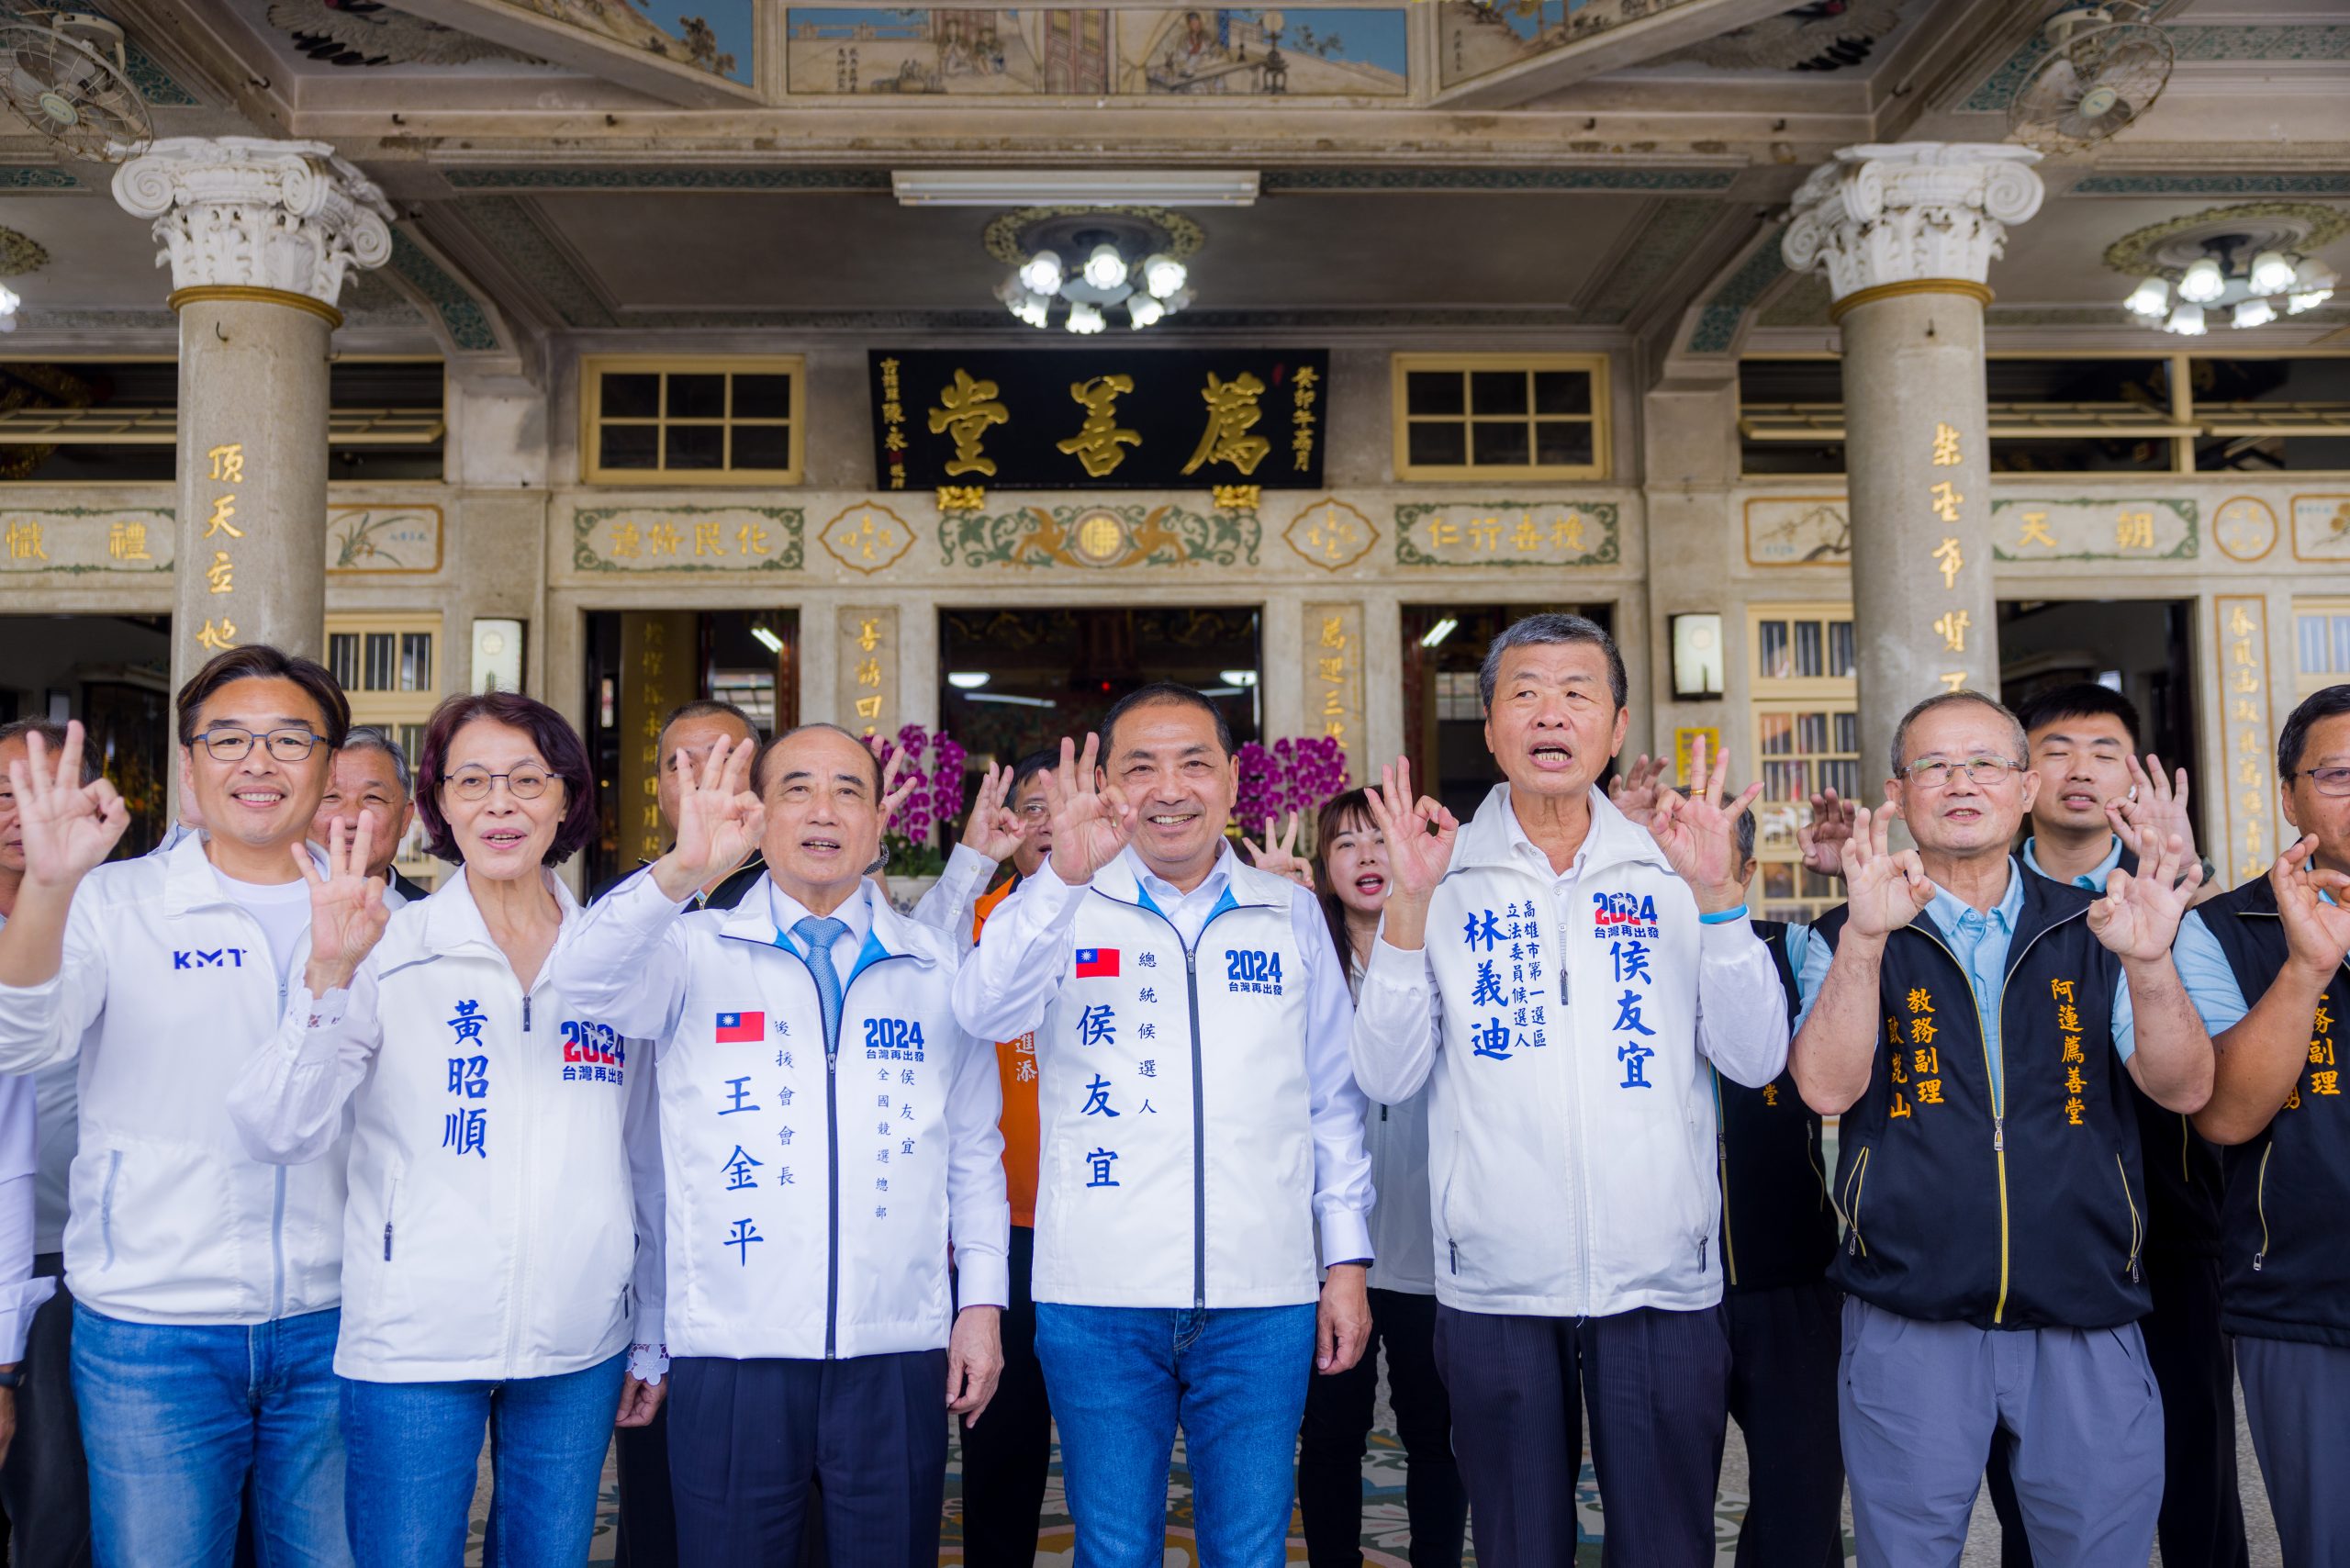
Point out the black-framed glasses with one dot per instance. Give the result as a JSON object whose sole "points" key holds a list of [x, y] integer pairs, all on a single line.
{"points": [[291, 745], [475, 784], [2324, 780], [1934, 773]]}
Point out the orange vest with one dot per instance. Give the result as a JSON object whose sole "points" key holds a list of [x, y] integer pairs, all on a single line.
{"points": [[1015, 1062]]}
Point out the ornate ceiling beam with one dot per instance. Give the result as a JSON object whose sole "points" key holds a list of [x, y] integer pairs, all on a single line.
{"points": [[660, 77], [1666, 28]]}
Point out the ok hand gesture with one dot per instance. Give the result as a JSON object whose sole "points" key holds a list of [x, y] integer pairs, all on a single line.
{"points": [[1822, 838], [1281, 859], [993, 828], [69, 827], [2317, 933], [1092, 821], [1886, 891], [2138, 918], [1699, 834], [719, 818], [347, 912], [1634, 792], [2156, 810]]}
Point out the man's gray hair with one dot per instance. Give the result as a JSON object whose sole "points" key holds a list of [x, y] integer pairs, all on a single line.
{"points": [[2022, 757], [374, 737], [52, 735], [1550, 627]]}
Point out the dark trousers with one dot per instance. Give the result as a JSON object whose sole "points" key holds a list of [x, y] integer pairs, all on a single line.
{"points": [[2202, 1513], [1339, 1413], [1008, 1453], [750, 1440], [44, 1484], [646, 1534], [1657, 1387], [1784, 1347], [2297, 1402]]}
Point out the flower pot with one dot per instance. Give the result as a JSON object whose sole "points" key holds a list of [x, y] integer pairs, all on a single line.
{"points": [[907, 892]]}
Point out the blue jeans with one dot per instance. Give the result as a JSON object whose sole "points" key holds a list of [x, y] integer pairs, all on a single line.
{"points": [[416, 1450], [176, 1417], [1122, 1378]]}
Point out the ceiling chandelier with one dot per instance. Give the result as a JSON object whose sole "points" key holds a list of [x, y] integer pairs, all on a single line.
{"points": [[1090, 266], [2244, 267]]}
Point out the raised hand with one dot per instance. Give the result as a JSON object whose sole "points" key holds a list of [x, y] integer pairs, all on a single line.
{"points": [[1092, 821], [69, 828], [2155, 811], [1280, 858], [719, 820], [347, 912], [1886, 892], [1822, 838], [1699, 834], [1418, 834], [894, 793], [1634, 792], [993, 828], [2317, 933], [2138, 918]]}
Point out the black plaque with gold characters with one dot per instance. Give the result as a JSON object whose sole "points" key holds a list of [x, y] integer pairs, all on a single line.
{"points": [[1099, 417]]}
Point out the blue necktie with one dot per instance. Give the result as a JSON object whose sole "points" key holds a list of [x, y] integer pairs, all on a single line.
{"points": [[819, 932]]}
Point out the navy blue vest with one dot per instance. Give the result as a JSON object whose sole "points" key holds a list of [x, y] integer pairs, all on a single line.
{"points": [[1777, 1227], [2284, 1265], [2022, 1212]]}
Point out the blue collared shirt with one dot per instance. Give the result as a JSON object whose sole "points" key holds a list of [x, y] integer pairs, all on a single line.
{"points": [[1979, 939], [2210, 978], [2092, 879]]}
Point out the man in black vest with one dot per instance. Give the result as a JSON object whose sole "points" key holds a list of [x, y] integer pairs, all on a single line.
{"points": [[2277, 942], [1973, 1024], [2095, 807]]}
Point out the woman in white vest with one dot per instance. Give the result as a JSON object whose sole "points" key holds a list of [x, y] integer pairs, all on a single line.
{"points": [[501, 1244]]}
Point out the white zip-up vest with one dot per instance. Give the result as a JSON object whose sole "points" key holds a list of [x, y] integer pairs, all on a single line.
{"points": [[490, 1232], [1571, 1128], [807, 1200], [1174, 1127]]}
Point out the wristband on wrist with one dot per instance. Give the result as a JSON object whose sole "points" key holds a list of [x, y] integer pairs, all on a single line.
{"points": [[1722, 916]]}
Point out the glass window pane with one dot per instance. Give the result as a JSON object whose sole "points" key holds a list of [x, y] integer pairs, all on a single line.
{"points": [[1445, 445], [2341, 644], [1772, 638], [1811, 733], [631, 395], [1563, 442], [1848, 733], [629, 446], [696, 446], [416, 661], [762, 396], [342, 658], [1563, 392], [1497, 392], [1778, 732], [377, 675], [1809, 661], [1434, 392], [1779, 880], [762, 446], [1840, 648], [2312, 630], [1841, 775], [1787, 780], [697, 397], [1499, 443]]}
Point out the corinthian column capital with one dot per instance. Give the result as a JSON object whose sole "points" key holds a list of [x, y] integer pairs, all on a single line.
{"points": [[240, 212], [1910, 212]]}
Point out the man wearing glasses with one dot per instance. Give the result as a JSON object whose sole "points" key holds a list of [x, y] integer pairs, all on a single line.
{"points": [[1972, 1023], [206, 1284], [2265, 966]]}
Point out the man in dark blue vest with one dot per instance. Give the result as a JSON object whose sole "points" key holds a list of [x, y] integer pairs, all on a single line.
{"points": [[2095, 807], [1972, 1023], [2265, 965]]}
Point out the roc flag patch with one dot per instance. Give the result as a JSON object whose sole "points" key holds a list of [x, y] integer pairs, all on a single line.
{"points": [[736, 1028], [1097, 962]]}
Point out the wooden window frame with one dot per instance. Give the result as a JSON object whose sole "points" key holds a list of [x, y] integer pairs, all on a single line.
{"points": [[1770, 697], [1402, 366], [593, 368]]}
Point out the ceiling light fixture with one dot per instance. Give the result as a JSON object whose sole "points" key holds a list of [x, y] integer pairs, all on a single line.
{"points": [[1439, 631], [2277, 281], [767, 639], [966, 679], [1092, 261]]}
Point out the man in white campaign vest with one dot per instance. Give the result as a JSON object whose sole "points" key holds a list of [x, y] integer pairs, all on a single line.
{"points": [[1554, 973], [1196, 1116], [828, 1132]]}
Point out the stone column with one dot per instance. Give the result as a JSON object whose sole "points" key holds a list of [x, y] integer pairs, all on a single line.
{"points": [[258, 235], [1906, 234]]}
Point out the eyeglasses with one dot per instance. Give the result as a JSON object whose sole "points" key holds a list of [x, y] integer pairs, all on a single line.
{"points": [[2325, 781], [523, 784], [234, 746], [1034, 811], [1934, 774]]}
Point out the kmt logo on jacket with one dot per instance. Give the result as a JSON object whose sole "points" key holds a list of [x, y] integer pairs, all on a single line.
{"points": [[892, 1039], [218, 959], [1615, 915], [1253, 969]]}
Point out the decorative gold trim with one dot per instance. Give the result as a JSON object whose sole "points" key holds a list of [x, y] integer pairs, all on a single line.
{"points": [[250, 294], [1977, 292], [2274, 529]]}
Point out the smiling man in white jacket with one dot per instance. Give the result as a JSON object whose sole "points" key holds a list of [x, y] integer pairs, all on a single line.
{"points": [[205, 1283], [1555, 973], [828, 1132]]}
